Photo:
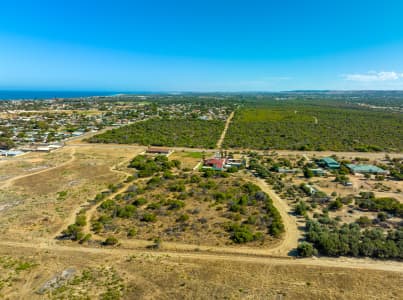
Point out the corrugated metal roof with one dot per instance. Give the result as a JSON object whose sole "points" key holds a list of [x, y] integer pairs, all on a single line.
{"points": [[329, 160], [365, 168]]}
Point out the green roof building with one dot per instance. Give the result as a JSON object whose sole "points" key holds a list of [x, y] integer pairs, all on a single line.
{"points": [[329, 163], [365, 169]]}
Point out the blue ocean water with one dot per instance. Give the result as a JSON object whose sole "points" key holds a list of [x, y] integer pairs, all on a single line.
{"points": [[41, 95]]}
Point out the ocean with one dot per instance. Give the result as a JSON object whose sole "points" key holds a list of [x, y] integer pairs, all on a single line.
{"points": [[41, 95]]}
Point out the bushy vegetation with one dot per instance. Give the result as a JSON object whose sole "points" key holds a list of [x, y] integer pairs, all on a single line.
{"points": [[374, 233], [350, 240], [389, 205], [147, 165], [166, 132], [304, 125], [171, 202]]}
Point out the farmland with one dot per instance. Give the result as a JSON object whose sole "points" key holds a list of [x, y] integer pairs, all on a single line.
{"points": [[299, 125]]}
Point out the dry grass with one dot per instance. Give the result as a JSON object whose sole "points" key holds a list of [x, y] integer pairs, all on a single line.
{"points": [[188, 160], [39, 210], [153, 276]]}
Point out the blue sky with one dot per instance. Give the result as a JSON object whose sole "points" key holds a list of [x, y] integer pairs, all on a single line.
{"points": [[201, 45]]}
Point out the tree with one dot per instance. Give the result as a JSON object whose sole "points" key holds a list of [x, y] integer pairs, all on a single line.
{"points": [[308, 173], [301, 208], [363, 221], [335, 205], [306, 250]]}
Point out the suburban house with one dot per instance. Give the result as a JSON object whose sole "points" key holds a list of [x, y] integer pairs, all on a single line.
{"points": [[329, 163], [216, 164], [159, 151], [366, 169]]}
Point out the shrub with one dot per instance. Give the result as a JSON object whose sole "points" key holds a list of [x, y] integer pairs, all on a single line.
{"points": [[175, 204], [73, 232], [86, 238], [240, 233], [140, 202], [182, 218], [110, 241], [301, 208], [335, 205], [81, 220], [148, 217], [97, 227], [132, 232], [306, 250], [126, 212], [363, 221], [108, 204]]}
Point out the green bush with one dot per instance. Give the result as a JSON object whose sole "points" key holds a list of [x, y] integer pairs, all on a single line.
{"points": [[306, 250], [110, 241], [182, 218], [148, 217]]}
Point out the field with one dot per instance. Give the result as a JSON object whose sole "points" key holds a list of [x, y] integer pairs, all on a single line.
{"points": [[38, 199], [309, 126], [191, 133], [189, 160], [142, 275]]}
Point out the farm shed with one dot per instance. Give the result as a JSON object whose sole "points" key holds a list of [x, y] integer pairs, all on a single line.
{"points": [[365, 169], [161, 151], [329, 163]]}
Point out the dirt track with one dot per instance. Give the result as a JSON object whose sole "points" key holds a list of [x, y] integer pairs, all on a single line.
{"points": [[292, 234], [350, 263], [224, 132]]}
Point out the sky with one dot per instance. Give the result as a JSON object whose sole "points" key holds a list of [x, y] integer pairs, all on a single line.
{"points": [[204, 46]]}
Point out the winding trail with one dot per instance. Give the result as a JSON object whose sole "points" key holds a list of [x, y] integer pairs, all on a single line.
{"points": [[291, 235], [224, 132]]}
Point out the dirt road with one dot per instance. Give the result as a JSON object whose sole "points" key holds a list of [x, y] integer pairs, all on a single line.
{"points": [[224, 132], [291, 236], [74, 249]]}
